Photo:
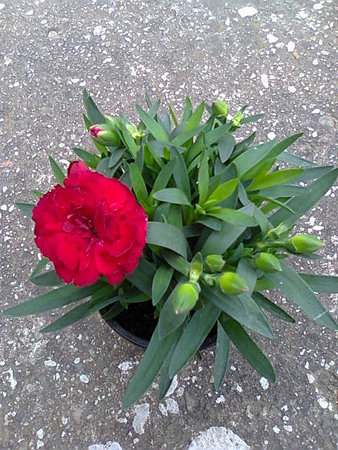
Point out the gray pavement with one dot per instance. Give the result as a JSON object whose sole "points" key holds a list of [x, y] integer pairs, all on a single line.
{"points": [[64, 391]]}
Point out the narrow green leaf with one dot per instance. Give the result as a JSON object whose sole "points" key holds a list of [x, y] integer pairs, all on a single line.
{"points": [[48, 278], [271, 307], [294, 287], [248, 348], [165, 380], [226, 145], [142, 277], [25, 208], [54, 299], [253, 118], [242, 308], [187, 109], [89, 158], [138, 184], [193, 336], [181, 174], [214, 135], [59, 175], [210, 222], [164, 176], [222, 356], [115, 157], [94, 115], [247, 270], [171, 195], [222, 192], [234, 217], [271, 202], [287, 190], [167, 236], [174, 118], [161, 281], [39, 267], [321, 283], [203, 179], [274, 178], [169, 321], [80, 312], [219, 241], [195, 119], [312, 173], [244, 144], [149, 366], [155, 129], [176, 262], [303, 203], [129, 141], [294, 159], [113, 311]]}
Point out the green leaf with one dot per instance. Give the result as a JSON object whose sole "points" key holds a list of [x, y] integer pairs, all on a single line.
{"points": [[176, 262], [222, 356], [39, 267], [242, 308], [253, 118], [94, 115], [247, 270], [271, 202], [294, 287], [312, 173], [142, 277], [232, 216], [214, 135], [248, 348], [161, 282], [203, 179], [174, 118], [181, 174], [187, 109], [169, 321], [219, 241], [89, 158], [274, 178], [138, 184], [171, 195], [129, 141], [167, 236], [294, 159], [59, 175], [271, 307], [303, 203], [25, 208], [226, 145], [48, 278], [80, 312], [155, 129], [113, 311], [195, 119], [222, 192], [251, 158], [321, 283], [210, 222], [115, 157], [244, 144], [286, 190], [164, 176], [149, 366], [193, 336], [54, 299]]}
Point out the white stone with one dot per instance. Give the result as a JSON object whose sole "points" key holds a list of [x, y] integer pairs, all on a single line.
{"points": [[40, 433], [288, 428], [141, 416], [317, 6], [265, 80], [264, 383], [125, 366], [1, 6], [172, 387], [315, 62], [218, 438], [50, 363], [276, 429], [303, 14], [247, 11], [291, 46], [323, 403], [292, 89], [220, 399], [271, 38], [99, 30], [84, 379], [107, 446], [172, 406], [271, 135]]}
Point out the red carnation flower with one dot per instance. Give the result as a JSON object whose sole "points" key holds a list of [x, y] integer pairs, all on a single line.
{"points": [[92, 226]]}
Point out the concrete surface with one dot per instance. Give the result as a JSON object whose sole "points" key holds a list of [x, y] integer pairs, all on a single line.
{"points": [[64, 391]]}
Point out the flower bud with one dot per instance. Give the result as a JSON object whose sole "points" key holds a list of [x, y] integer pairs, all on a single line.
{"points": [[219, 108], [105, 136], [196, 268], [215, 263], [134, 131], [231, 283], [267, 263], [303, 243], [237, 119], [185, 297]]}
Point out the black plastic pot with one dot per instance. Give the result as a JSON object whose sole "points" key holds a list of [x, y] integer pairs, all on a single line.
{"points": [[136, 324]]}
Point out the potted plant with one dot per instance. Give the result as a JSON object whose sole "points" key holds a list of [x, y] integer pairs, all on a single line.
{"points": [[177, 232]]}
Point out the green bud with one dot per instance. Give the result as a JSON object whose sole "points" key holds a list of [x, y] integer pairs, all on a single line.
{"points": [[185, 297], [237, 119], [267, 263], [196, 267], [133, 130], [215, 263], [105, 136], [219, 108], [303, 243], [231, 283]]}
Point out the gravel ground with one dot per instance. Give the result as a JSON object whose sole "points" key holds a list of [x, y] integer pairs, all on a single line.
{"points": [[64, 391]]}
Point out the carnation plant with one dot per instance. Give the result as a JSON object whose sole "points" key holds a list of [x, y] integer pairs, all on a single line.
{"points": [[180, 217]]}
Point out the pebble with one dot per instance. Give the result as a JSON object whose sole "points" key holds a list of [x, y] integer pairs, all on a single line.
{"points": [[247, 11], [84, 378]]}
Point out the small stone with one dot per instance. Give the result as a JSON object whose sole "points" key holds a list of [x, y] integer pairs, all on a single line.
{"points": [[264, 383], [1, 6], [276, 429], [271, 136], [323, 403], [291, 46], [315, 62], [292, 89], [76, 414], [265, 80], [40, 433], [247, 11], [271, 38], [84, 378], [288, 428], [220, 399]]}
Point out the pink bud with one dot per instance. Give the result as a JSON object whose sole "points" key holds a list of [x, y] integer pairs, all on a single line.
{"points": [[95, 130]]}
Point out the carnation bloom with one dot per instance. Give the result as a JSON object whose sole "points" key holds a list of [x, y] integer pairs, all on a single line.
{"points": [[92, 226]]}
